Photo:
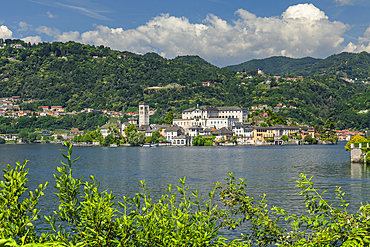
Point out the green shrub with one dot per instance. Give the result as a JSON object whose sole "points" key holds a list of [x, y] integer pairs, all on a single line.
{"points": [[285, 138], [17, 214]]}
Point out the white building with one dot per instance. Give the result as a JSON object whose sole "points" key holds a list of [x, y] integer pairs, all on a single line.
{"points": [[171, 132], [211, 116]]}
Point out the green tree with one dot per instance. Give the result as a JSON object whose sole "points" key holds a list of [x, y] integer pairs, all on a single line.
{"points": [[87, 138], [330, 127], [130, 128], [310, 139], [78, 138], [155, 136], [198, 141], [169, 118], [354, 139], [32, 137], [109, 139], [2, 141], [148, 139], [24, 136], [135, 138], [285, 138]]}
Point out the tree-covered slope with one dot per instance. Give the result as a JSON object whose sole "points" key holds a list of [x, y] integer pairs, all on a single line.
{"points": [[75, 79], [78, 76], [276, 65], [350, 65]]}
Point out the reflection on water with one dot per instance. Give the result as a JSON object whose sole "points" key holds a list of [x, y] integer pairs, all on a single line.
{"points": [[273, 170], [359, 171]]}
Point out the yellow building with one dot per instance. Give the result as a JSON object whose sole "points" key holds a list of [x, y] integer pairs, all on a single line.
{"points": [[261, 133]]}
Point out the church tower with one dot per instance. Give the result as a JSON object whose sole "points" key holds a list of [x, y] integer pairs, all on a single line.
{"points": [[143, 114]]}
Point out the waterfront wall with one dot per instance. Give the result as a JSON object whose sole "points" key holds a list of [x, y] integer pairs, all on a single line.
{"points": [[356, 153]]}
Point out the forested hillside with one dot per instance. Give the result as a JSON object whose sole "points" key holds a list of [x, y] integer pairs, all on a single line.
{"points": [[276, 65], [77, 76], [350, 65]]}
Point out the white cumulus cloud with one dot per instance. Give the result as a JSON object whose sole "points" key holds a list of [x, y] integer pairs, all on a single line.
{"points": [[363, 43], [24, 26], [48, 31], [5, 33], [302, 30], [32, 39]]}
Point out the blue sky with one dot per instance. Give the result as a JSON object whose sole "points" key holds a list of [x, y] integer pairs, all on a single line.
{"points": [[222, 32]]}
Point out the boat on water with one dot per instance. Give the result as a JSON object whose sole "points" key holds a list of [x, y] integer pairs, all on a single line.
{"points": [[150, 145], [113, 145]]}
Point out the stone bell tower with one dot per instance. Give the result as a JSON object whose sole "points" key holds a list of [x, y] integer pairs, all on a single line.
{"points": [[143, 114]]}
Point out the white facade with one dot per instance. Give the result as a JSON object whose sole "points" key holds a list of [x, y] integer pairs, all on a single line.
{"points": [[212, 117], [172, 132], [143, 114]]}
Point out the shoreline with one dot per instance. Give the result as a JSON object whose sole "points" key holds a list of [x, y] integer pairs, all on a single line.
{"points": [[224, 145]]}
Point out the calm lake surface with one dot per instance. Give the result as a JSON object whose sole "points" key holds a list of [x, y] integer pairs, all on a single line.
{"points": [[273, 170]]}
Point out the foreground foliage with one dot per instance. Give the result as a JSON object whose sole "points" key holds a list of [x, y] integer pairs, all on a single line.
{"points": [[88, 217]]}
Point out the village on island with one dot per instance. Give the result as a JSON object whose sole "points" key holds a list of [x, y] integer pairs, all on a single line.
{"points": [[200, 126], [223, 125], [217, 126]]}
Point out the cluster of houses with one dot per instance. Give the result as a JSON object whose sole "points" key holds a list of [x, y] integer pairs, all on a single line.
{"points": [[18, 46], [66, 135], [10, 108], [345, 135], [225, 124], [104, 57], [351, 80], [260, 73], [277, 108]]}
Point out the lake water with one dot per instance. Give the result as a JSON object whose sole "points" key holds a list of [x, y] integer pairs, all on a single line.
{"points": [[272, 170]]}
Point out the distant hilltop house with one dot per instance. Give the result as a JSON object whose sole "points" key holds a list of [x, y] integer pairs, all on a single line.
{"points": [[208, 84], [15, 98], [259, 107], [76, 131], [56, 108], [363, 111], [171, 85], [18, 46], [7, 105]]}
